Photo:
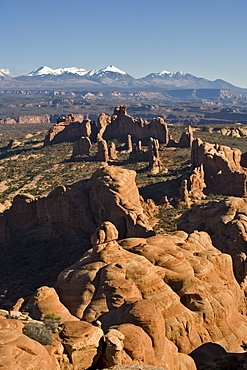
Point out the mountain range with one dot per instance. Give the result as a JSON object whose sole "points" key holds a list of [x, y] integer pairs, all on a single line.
{"points": [[113, 77]]}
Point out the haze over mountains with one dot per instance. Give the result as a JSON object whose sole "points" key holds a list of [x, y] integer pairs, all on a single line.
{"points": [[112, 77]]}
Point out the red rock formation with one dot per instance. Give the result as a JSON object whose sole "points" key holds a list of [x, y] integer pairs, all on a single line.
{"points": [[226, 223], [45, 118], [112, 151], [176, 287], [110, 194], [18, 352], [223, 173], [102, 154], [45, 300], [129, 144], [122, 124], [81, 341], [114, 197], [186, 138], [82, 146], [116, 127], [68, 130]]}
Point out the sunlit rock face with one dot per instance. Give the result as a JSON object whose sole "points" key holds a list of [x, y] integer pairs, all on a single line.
{"points": [[176, 287]]}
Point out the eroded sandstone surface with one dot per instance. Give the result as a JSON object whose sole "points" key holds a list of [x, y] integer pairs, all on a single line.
{"points": [[175, 287], [226, 222]]}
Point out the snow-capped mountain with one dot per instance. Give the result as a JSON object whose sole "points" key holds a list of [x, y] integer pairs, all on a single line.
{"points": [[109, 75], [5, 77], [182, 80], [46, 72], [113, 77]]}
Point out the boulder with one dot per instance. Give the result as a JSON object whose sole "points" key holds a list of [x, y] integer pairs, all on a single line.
{"points": [[82, 342]]}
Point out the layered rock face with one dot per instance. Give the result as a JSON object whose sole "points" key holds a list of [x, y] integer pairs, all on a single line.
{"points": [[223, 173], [226, 222], [45, 118], [122, 125], [114, 196], [110, 194], [38, 232], [118, 126], [68, 130], [176, 288]]}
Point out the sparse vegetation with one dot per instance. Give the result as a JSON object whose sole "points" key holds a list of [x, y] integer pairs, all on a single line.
{"points": [[38, 332]]}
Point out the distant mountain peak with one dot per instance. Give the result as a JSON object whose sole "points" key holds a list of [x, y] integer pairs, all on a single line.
{"points": [[45, 70]]}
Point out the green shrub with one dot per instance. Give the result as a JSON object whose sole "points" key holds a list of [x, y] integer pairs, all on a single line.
{"points": [[38, 332], [52, 322]]}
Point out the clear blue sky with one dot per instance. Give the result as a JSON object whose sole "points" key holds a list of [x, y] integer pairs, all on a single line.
{"points": [[207, 38]]}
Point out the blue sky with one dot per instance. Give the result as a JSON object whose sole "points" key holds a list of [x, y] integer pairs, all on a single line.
{"points": [[207, 38]]}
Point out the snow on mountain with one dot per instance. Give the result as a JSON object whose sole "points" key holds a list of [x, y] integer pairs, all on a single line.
{"points": [[44, 70], [109, 68], [4, 76], [110, 75]]}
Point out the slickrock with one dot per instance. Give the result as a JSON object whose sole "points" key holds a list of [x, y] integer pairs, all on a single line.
{"points": [[175, 287], [223, 173], [82, 146], [82, 342], [45, 300], [102, 154], [226, 222], [18, 352], [122, 290]]}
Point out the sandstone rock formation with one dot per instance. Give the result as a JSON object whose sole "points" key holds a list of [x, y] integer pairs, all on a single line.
{"points": [[112, 151], [45, 300], [226, 222], [82, 146], [116, 127], [176, 288], [110, 194], [193, 187], [186, 138], [45, 118], [68, 130], [113, 196], [129, 144], [18, 352], [122, 124], [155, 163], [223, 173], [102, 154], [137, 153], [82, 342]]}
